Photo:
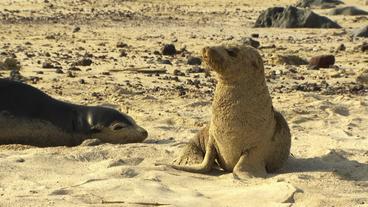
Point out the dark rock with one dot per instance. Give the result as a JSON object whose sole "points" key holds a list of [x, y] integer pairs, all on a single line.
{"points": [[73, 68], [123, 53], [30, 54], [20, 160], [59, 71], [83, 62], [361, 32], [121, 45], [48, 65], [363, 77], [349, 11], [251, 42], [341, 47], [292, 17], [364, 47], [82, 81], [166, 62], [168, 49], [181, 90], [255, 35], [178, 73], [194, 61], [16, 76], [76, 29], [322, 61], [292, 60], [323, 4], [308, 87], [10, 64], [70, 74], [196, 70]]}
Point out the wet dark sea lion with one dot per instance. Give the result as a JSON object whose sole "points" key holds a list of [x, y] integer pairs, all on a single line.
{"points": [[29, 116]]}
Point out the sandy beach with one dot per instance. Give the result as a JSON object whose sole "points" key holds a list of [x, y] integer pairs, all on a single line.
{"points": [[326, 109]]}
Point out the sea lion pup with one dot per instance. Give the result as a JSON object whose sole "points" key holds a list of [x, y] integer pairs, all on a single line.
{"points": [[246, 135], [29, 116]]}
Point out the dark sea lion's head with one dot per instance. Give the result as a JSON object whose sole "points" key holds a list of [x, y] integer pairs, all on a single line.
{"points": [[232, 62], [112, 126]]}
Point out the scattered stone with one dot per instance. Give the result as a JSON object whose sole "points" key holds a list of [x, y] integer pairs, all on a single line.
{"points": [[10, 64], [364, 47], [194, 60], [83, 62], [169, 49], [341, 47], [178, 73], [70, 74], [73, 68], [49, 65], [82, 81], [291, 60], [29, 54], [123, 53], [361, 32], [76, 29], [322, 4], [196, 70], [19, 160], [308, 87], [348, 11], [363, 77], [166, 62], [121, 45], [59, 71], [181, 90], [16, 76], [251, 42], [322, 61], [255, 35], [292, 17]]}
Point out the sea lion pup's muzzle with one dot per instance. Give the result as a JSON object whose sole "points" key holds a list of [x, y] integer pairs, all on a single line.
{"points": [[213, 57]]}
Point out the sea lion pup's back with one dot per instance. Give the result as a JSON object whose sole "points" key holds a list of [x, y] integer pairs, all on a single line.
{"points": [[29, 116]]}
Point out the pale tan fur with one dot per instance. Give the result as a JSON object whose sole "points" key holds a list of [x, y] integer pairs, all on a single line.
{"points": [[246, 135]]}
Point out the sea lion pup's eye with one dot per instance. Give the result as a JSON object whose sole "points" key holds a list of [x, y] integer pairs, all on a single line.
{"points": [[233, 52], [118, 126]]}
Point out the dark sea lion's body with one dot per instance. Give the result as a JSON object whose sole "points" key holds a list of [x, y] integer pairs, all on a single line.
{"points": [[29, 116]]}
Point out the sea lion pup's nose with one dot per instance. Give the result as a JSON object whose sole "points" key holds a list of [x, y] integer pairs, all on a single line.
{"points": [[143, 132], [204, 52]]}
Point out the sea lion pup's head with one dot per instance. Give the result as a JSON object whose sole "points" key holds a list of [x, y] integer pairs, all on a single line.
{"points": [[112, 126], [233, 62]]}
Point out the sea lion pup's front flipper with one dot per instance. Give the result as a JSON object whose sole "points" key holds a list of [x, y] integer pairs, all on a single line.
{"points": [[250, 165], [207, 163]]}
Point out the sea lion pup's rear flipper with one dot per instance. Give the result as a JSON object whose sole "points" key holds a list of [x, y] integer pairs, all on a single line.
{"points": [[205, 166], [194, 151], [190, 155], [207, 163], [250, 165]]}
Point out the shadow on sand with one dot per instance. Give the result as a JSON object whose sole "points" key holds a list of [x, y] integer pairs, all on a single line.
{"points": [[335, 161]]}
